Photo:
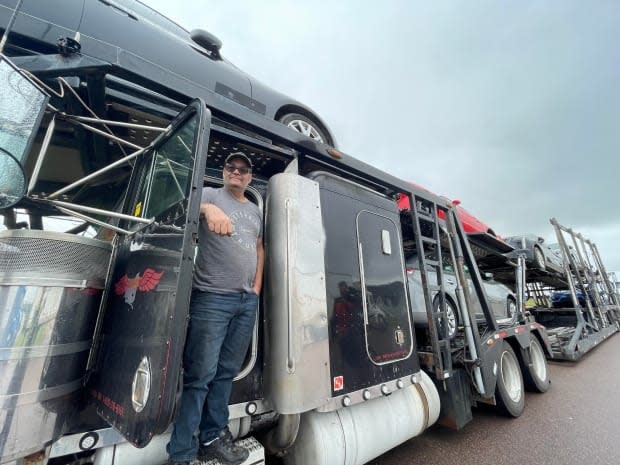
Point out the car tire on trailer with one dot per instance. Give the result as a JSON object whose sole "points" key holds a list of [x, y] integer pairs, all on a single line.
{"points": [[511, 307], [539, 259], [306, 126], [536, 374], [448, 325], [509, 389]]}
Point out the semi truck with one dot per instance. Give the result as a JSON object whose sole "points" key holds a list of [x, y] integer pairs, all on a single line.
{"points": [[100, 192]]}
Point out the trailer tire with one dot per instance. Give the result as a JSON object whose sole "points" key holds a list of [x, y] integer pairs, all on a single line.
{"points": [[447, 326], [509, 390], [536, 374]]}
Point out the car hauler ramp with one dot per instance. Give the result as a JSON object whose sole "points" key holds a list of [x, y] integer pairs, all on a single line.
{"points": [[489, 357], [581, 309]]}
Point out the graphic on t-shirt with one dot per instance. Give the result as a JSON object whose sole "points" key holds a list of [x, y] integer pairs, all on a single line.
{"points": [[246, 227]]}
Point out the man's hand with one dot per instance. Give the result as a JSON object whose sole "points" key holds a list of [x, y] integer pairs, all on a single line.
{"points": [[217, 221]]}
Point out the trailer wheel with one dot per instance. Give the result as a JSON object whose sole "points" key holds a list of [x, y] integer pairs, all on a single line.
{"points": [[509, 390], [536, 375]]}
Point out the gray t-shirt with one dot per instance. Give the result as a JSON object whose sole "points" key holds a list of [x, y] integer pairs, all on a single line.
{"points": [[227, 264]]}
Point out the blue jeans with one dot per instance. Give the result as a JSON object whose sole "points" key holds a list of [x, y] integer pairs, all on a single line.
{"points": [[219, 333]]}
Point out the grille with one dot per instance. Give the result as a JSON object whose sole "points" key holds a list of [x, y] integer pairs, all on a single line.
{"points": [[57, 255]]}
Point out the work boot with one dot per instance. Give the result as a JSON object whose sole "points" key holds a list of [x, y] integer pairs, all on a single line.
{"points": [[223, 449]]}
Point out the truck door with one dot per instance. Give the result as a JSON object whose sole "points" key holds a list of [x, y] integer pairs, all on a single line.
{"points": [[386, 314], [135, 382]]}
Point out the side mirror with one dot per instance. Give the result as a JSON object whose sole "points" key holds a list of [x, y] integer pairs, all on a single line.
{"points": [[22, 104], [207, 41]]}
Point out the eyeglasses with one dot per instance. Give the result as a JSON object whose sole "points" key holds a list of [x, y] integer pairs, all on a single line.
{"points": [[242, 169]]}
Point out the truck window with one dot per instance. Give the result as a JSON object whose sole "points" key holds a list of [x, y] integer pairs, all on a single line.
{"points": [[165, 183]]}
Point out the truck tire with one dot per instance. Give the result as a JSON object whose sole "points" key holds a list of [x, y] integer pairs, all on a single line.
{"points": [[536, 374], [509, 390]]}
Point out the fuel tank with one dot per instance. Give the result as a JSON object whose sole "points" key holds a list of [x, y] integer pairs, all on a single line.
{"points": [[357, 434], [50, 291]]}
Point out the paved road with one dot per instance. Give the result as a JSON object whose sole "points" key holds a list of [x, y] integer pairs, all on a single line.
{"points": [[576, 422]]}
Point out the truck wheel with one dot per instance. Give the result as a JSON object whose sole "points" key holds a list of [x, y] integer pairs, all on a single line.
{"points": [[509, 388], [536, 375]]}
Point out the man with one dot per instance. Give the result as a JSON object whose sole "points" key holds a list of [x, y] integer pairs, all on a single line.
{"points": [[227, 281]]}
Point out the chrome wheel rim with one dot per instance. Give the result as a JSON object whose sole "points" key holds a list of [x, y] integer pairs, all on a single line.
{"points": [[450, 319], [539, 363], [512, 309], [306, 129], [510, 376]]}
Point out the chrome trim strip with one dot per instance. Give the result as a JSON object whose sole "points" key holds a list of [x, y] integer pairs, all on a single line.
{"points": [[119, 123], [42, 152], [14, 400], [99, 211], [290, 359], [52, 235], [22, 353], [93, 220], [71, 444], [239, 410], [356, 397], [254, 348], [40, 281], [105, 134]]}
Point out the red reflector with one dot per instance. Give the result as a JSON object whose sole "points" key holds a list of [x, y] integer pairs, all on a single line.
{"points": [[502, 334], [410, 270]]}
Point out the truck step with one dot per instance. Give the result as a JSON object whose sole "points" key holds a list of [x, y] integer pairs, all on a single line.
{"points": [[256, 457]]}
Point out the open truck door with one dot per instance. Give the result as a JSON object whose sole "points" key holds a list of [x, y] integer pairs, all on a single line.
{"points": [[136, 376]]}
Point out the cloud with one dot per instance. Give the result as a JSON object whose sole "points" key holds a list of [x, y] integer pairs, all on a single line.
{"points": [[512, 108]]}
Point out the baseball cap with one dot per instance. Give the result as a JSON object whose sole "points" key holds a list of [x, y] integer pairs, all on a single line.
{"points": [[241, 155]]}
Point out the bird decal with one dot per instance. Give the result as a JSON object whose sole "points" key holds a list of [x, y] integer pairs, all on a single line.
{"points": [[128, 287]]}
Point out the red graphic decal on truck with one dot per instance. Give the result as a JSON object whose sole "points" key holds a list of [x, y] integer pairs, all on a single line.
{"points": [[128, 287]]}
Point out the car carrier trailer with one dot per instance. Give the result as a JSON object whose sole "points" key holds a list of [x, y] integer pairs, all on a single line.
{"points": [[93, 318], [590, 313]]}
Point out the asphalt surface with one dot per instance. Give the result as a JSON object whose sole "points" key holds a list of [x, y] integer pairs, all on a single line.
{"points": [[576, 422]]}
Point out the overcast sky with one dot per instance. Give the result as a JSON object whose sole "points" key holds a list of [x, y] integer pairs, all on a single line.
{"points": [[511, 107]]}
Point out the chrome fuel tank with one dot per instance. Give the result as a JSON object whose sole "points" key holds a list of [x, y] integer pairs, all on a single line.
{"points": [[50, 291]]}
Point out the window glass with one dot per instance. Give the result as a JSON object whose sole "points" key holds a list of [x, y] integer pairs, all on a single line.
{"points": [[149, 14], [166, 181]]}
